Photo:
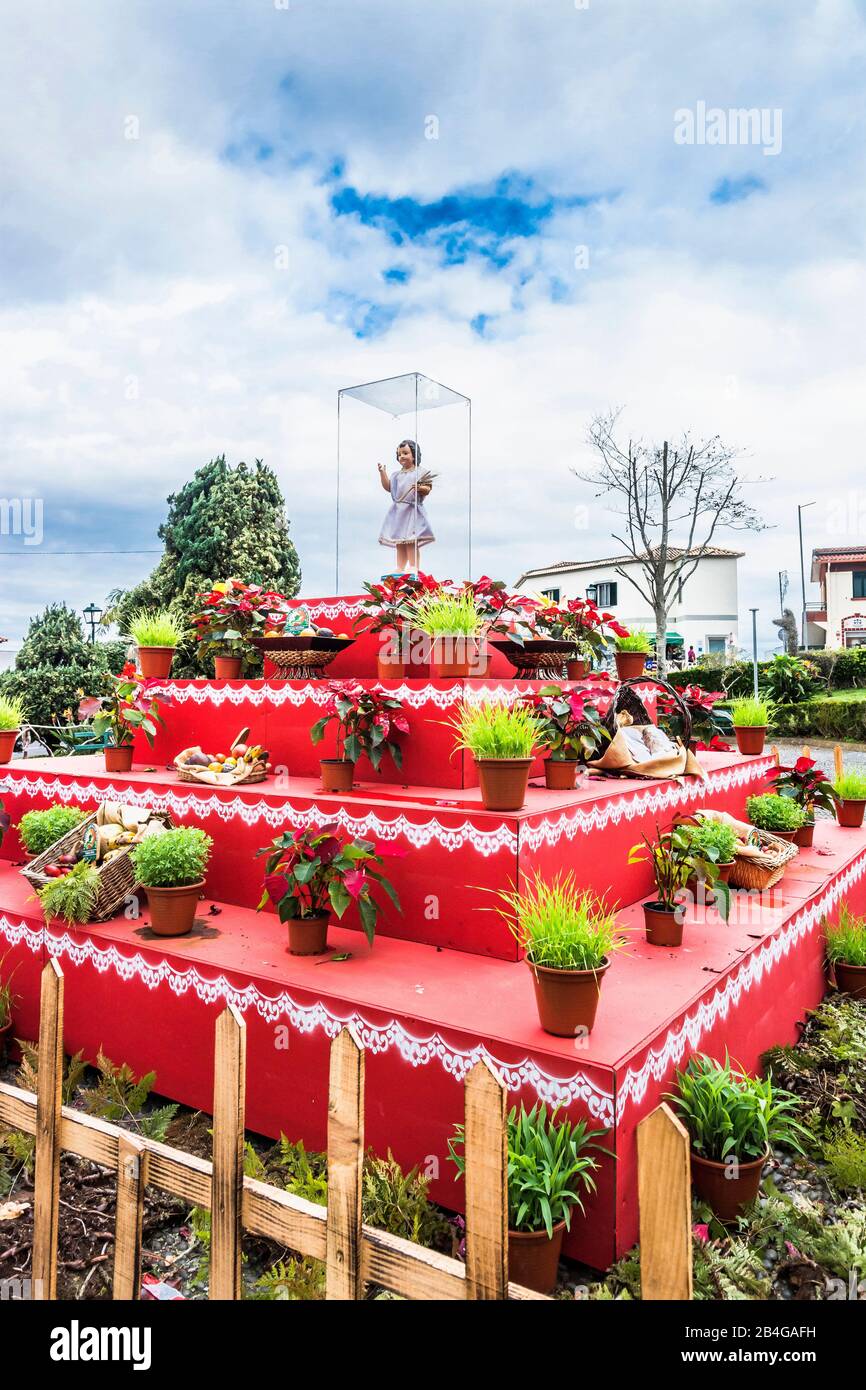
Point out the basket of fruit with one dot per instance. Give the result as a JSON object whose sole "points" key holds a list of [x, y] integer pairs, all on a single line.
{"points": [[302, 651], [244, 763], [104, 839]]}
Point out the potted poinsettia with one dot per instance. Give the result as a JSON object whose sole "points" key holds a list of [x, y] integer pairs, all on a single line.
{"points": [[582, 622], [711, 725], [128, 706], [811, 789], [386, 614], [365, 721], [316, 873], [229, 616], [570, 727]]}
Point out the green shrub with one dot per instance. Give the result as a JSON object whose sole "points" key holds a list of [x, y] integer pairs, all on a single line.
{"points": [[769, 812], [821, 718], [750, 713], [41, 829], [561, 926], [496, 730], [846, 940], [172, 859], [851, 786], [728, 1112], [789, 679]]}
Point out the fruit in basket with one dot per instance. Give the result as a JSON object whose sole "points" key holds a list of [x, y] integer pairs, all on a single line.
{"points": [[55, 870]]}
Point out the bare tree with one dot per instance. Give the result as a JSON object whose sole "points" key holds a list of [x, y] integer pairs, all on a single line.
{"points": [[673, 498]]}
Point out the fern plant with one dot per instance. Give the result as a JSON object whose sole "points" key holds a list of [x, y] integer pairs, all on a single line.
{"points": [[120, 1097], [71, 898]]}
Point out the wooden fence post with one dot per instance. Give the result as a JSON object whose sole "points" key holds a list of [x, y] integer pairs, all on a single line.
{"points": [[665, 1202], [486, 1155], [132, 1162], [345, 1168], [227, 1189], [838, 761], [49, 1090]]}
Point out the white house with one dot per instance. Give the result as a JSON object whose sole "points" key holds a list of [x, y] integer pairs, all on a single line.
{"points": [[703, 613], [838, 618]]}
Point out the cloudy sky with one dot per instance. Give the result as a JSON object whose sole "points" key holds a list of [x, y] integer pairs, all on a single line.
{"points": [[214, 215]]}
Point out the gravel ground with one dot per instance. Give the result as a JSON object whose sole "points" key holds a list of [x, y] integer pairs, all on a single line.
{"points": [[822, 752]]}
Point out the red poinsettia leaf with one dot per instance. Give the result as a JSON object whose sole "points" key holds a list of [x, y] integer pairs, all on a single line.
{"points": [[355, 881], [276, 886]]}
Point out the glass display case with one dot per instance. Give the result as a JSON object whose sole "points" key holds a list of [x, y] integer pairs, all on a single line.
{"points": [[404, 481]]}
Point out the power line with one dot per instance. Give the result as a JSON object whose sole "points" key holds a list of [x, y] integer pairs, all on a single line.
{"points": [[14, 554]]}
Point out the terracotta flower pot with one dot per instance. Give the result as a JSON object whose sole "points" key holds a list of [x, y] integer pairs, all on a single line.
{"points": [[630, 665], [172, 910], [662, 927], [567, 1000], [577, 668], [308, 936], [533, 1258], [387, 670], [503, 782], [7, 744], [119, 759], [850, 813], [560, 774], [455, 657], [850, 979], [724, 877], [805, 835], [789, 835], [227, 668], [155, 661], [750, 737], [726, 1195], [337, 774]]}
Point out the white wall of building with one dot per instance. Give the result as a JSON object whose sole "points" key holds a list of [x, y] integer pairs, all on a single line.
{"points": [[841, 604], [704, 613]]}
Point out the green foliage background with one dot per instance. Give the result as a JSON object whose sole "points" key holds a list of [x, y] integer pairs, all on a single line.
{"points": [[56, 664]]}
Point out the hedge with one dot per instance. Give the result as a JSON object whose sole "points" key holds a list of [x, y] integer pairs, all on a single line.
{"points": [[836, 719], [843, 670]]}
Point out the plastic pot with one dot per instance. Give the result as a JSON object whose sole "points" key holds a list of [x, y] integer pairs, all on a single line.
{"points": [[850, 979], [789, 835], [308, 936], [455, 657], [577, 668], [227, 668], [7, 744], [337, 774], [172, 910], [727, 1195], [630, 665], [155, 661], [533, 1258], [567, 1000], [387, 670], [119, 759], [662, 926], [805, 835], [850, 813], [560, 774], [503, 782], [750, 737]]}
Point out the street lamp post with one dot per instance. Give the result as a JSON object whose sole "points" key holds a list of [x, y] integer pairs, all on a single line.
{"points": [[92, 614], [754, 613], [801, 507]]}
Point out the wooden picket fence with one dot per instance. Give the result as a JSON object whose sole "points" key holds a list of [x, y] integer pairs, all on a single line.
{"points": [[354, 1253]]}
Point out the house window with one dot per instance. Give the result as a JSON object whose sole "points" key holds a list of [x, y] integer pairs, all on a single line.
{"points": [[605, 595], [716, 644], [552, 594], [859, 578]]}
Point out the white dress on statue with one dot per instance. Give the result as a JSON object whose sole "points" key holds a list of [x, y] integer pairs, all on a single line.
{"points": [[405, 521]]}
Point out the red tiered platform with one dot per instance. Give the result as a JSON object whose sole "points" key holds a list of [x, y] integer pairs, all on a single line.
{"points": [[424, 1013]]}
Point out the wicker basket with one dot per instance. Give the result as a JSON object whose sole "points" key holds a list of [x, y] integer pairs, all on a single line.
{"points": [[242, 776], [626, 699], [116, 877], [764, 869], [538, 658]]}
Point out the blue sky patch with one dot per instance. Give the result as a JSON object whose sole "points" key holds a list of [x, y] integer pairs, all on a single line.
{"points": [[737, 190]]}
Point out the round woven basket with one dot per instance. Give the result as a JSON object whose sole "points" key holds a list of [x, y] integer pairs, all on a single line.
{"points": [[764, 869]]}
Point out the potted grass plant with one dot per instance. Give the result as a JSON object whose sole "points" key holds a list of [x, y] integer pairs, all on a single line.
{"points": [[365, 722], [781, 815], [750, 718], [171, 867], [811, 789], [455, 626], [676, 862], [632, 650], [125, 708], [39, 830], [316, 873], [570, 728], [850, 791], [501, 739], [568, 935], [732, 1119], [156, 634], [550, 1164], [11, 717], [846, 952]]}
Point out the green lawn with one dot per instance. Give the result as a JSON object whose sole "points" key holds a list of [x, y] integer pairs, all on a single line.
{"points": [[846, 694]]}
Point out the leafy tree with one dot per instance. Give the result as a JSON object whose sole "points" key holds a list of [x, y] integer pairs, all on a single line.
{"points": [[226, 522], [56, 666]]}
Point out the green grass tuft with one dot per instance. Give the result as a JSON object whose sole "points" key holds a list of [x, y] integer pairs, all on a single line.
{"points": [[561, 926], [155, 628], [750, 713], [496, 730]]}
